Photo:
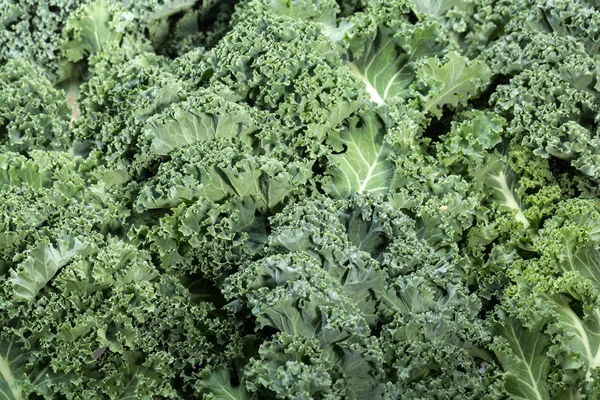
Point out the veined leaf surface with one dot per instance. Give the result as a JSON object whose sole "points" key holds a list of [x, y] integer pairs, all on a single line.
{"points": [[363, 166]]}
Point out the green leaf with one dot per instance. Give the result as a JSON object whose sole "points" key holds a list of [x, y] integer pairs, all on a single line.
{"points": [[363, 165], [293, 364], [219, 170], [91, 26], [503, 183], [583, 336], [569, 240], [18, 370], [471, 140], [187, 127], [452, 83], [217, 385], [172, 7], [11, 359], [41, 264], [584, 260], [387, 63], [432, 7], [320, 11], [382, 68], [522, 355]]}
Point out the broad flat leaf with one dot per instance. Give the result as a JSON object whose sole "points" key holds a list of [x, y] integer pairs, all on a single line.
{"points": [[217, 385], [501, 180], [387, 64], [91, 24], [432, 7], [383, 68], [452, 83], [187, 127], [41, 264], [408, 296], [12, 359], [584, 260], [522, 355], [363, 165], [583, 335]]}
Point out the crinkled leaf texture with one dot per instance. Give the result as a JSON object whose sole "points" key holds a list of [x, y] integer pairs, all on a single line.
{"points": [[184, 127]]}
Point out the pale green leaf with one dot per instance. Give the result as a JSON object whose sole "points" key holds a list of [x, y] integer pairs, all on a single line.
{"points": [[217, 385], [363, 165], [452, 83], [583, 335], [387, 63], [432, 7], [502, 182], [522, 355], [41, 264], [91, 27], [12, 358], [187, 127]]}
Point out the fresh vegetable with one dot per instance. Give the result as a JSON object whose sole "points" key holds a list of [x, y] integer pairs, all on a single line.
{"points": [[300, 199]]}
